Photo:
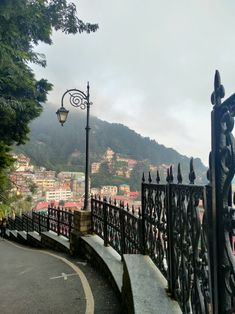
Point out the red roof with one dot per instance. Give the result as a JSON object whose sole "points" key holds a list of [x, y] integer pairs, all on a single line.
{"points": [[133, 194], [44, 205], [40, 206]]}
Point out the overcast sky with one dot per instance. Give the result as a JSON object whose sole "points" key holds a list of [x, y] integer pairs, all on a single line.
{"points": [[150, 65]]}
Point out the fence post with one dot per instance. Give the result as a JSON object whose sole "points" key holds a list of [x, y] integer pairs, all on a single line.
{"points": [[105, 222], [221, 173], [48, 219], [33, 220], [70, 223], [58, 221], [39, 223], [141, 238], [143, 212], [169, 224], [92, 212], [122, 230], [27, 223]]}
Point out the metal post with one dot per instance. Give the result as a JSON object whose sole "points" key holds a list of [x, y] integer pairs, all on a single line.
{"points": [[105, 222], [222, 169], [58, 221], [87, 150], [143, 212], [79, 99], [39, 221], [170, 248], [48, 219], [122, 231], [70, 223]]}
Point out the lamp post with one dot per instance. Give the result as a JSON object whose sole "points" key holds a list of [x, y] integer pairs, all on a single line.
{"points": [[79, 99]]}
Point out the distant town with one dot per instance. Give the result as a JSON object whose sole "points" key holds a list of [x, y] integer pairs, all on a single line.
{"points": [[41, 187]]}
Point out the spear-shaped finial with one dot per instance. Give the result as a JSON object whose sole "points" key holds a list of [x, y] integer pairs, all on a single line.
{"points": [[150, 179], [143, 178], [219, 91], [179, 175], [192, 175], [168, 176], [158, 177], [133, 209]]}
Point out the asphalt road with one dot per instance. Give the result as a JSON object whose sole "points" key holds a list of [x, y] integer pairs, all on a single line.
{"points": [[34, 281]]}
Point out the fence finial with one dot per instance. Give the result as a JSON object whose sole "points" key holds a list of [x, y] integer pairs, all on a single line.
{"points": [[179, 175], [168, 176], [143, 178], [133, 209], [192, 175], [171, 174], [219, 91], [150, 179], [158, 177]]}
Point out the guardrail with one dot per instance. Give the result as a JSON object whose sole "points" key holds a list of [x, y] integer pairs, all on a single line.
{"points": [[118, 225], [56, 219]]}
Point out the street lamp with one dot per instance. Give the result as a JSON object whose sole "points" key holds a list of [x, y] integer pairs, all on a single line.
{"points": [[78, 99]]}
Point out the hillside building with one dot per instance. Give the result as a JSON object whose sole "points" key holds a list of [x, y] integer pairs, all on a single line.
{"points": [[22, 163], [109, 190], [108, 155], [95, 167], [125, 188], [57, 195]]}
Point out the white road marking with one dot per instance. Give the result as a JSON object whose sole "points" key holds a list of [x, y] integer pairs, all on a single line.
{"points": [[90, 304], [65, 276]]}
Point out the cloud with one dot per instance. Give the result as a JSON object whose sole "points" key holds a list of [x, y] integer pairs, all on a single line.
{"points": [[150, 65]]}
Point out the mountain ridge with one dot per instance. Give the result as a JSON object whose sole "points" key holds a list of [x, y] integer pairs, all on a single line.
{"points": [[49, 145]]}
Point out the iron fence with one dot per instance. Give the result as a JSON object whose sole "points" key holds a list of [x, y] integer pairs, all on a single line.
{"points": [[170, 228], [60, 221], [118, 225], [175, 233], [56, 219]]}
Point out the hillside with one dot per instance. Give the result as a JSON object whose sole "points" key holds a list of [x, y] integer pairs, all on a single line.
{"points": [[58, 148]]}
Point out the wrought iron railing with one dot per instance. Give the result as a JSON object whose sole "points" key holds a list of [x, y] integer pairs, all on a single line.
{"points": [[118, 225], [175, 236], [57, 220], [170, 228], [60, 221]]}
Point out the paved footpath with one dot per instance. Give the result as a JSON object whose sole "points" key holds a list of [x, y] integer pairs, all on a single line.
{"points": [[44, 282]]}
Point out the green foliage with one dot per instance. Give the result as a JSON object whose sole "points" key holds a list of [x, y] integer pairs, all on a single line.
{"points": [[100, 179], [23, 24], [33, 187], [137, 174]]}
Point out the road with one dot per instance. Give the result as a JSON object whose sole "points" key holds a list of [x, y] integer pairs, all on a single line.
{"points": [[38, 281]]}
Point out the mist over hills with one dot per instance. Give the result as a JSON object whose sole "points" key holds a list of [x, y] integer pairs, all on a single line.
{"points": [[63, 148]]}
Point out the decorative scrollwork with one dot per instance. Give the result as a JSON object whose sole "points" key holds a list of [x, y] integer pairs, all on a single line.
{"points": [[221, 173], [156, 224], [78, 99], [191, 277]]}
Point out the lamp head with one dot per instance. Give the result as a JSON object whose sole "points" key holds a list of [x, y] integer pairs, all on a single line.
{"points": [[62, 115]]}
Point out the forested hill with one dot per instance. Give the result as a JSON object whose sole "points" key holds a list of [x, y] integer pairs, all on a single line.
{"points": [[57, 147]]}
